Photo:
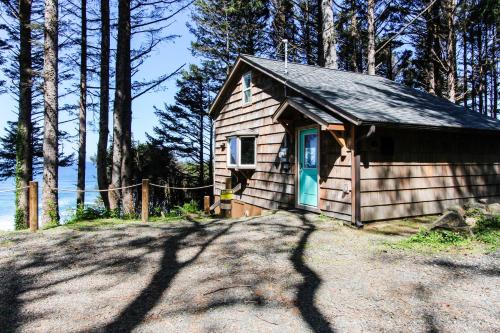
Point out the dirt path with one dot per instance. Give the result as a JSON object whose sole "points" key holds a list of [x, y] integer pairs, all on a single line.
{"points": [[278, 273]]}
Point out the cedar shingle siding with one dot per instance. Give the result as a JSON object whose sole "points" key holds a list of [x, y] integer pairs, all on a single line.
{"points": [[425, 155]]}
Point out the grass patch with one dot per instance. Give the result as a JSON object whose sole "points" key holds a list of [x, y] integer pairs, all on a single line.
{"points": [[435, 240], [6, 243], [96, 224], [486, 236], [487, 231], [404, 227], [91, 218]]}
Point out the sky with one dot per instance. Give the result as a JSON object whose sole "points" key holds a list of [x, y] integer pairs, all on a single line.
{"points": [[167, 57]]}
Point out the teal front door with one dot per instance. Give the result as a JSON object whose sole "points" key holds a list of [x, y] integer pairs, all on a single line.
{"points": [[308, 167]]}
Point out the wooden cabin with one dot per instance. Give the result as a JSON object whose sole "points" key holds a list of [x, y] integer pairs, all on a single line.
{"points": [[353, 146]]}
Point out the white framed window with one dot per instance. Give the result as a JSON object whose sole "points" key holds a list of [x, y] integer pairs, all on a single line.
{"points": [[242, 152], [247, 88]]}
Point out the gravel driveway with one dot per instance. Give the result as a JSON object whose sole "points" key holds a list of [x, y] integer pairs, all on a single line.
{"points": [[277, 273]]}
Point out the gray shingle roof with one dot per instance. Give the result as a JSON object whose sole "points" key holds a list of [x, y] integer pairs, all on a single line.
{"points": [[373, 99], [311, 110]]}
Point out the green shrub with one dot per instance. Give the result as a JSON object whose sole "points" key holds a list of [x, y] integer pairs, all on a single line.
{"points": [[435, 239], [487, 230], [189, 208], [19, 220], [86, 213]]}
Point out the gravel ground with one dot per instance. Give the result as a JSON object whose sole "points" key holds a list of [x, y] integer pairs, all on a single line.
{"points": [[277, 273]]}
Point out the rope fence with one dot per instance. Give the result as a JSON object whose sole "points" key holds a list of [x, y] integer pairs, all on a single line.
{"points": [[14, 189], [94, 191], [33, 197], [181, 188]]}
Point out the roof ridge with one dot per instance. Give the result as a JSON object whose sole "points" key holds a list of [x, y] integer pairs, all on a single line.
{"points": [[314, 66]]}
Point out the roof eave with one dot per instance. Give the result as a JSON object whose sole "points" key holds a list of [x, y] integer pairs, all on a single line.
{"points": [[220, 96], [330, 107], [432, 128]]}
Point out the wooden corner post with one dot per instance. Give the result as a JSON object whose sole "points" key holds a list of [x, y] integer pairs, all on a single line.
{"points": [[226, 199], [33, 206], [145, 200], [355, 180], [206, 204]]}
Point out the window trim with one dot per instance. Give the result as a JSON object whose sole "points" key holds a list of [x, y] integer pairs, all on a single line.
{"points": [[249, 88], [229, 151], [238, 164]]}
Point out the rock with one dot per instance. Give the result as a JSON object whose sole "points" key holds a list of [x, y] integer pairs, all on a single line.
{"points": [[483, 201], [494, 208], [473, 204], [450, 220], [471, 221], [456, 208]]}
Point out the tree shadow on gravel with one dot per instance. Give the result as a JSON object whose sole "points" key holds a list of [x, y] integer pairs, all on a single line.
{"points": [[311, 282], [10, 304], [263, 257], [255, 276], [136, 311], [455, 268], [13, 284]]}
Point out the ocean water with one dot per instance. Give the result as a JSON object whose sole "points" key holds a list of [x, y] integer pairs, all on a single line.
{"points": [[67, 201]]}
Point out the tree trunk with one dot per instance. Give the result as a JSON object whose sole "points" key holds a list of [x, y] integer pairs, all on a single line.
{"points": [[473, 72], [308, 47], [211, 156], [50, 133], [485, 70], [451, 51], [390, 64], [354, 37], [430, 73], [329, 35], [465, 84], [82, 131], [494, 74], [480, 68], [123, 103], [202, 165], [102, 145], [371, 37], [436, 47], [24, 151], [116, 163], [201, 138], [319, 28]]}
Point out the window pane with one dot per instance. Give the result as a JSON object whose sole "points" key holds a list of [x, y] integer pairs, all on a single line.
{"points": [[248, 96], [247, 151], [246, 80], [310, 155], [233, 149]]}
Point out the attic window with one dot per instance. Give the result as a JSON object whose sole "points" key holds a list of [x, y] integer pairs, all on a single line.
{"points": [[247, 88], [242, 152]]}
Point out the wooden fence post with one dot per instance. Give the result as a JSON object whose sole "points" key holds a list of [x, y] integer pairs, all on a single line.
{"points": [[145, 200], [206, 204], [33, 206], [226, 199]]}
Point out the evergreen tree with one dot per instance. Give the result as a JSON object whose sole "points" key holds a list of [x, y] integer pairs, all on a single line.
{"points": [[329, 35], [184, 128], [283, 26], [225, 29], [104, 82], [309, 37], [50, 210], [82, 117]]}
